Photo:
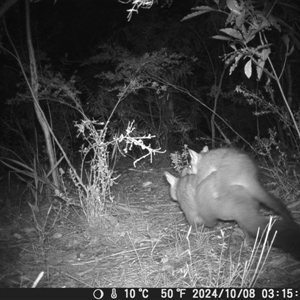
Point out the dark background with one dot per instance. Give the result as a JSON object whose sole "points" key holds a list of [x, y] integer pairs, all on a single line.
{"points": [[69, 35]]}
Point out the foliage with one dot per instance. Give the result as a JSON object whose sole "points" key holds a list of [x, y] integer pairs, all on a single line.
{"points": [[95, 193], [126, 67], [61, 104], [150, 100], [264, 108], [36, 178], [247, 29], [145, 4], [59, 101], [180, 159]]}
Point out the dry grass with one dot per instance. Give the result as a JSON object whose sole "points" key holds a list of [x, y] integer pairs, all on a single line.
{"points": [[140, 240]]}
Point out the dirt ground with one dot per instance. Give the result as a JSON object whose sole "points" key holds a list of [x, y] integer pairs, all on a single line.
{"points": [[142, 240]]}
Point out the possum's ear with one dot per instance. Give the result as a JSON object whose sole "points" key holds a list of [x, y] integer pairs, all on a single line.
{"points": [[205, 149], [171, 179], [194, 156], [173, 184], [195, 159]]}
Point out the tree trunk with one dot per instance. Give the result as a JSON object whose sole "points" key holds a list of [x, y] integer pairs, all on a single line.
{"points": [[39, 113]]}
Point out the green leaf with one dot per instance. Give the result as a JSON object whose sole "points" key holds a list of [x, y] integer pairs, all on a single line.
{"points": [[248, 68], [200, 11], [232, 32], [222, 37], [234, 7]]}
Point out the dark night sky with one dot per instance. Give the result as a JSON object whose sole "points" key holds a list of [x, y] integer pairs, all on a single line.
{"points": [[73, 29], [79, 25], [76, 26]]}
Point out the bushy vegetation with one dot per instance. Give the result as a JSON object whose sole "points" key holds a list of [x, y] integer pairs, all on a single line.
{"points": [[223, 74]]}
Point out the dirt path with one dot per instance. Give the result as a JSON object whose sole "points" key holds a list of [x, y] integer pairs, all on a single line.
{"points": [[142, 240]]}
